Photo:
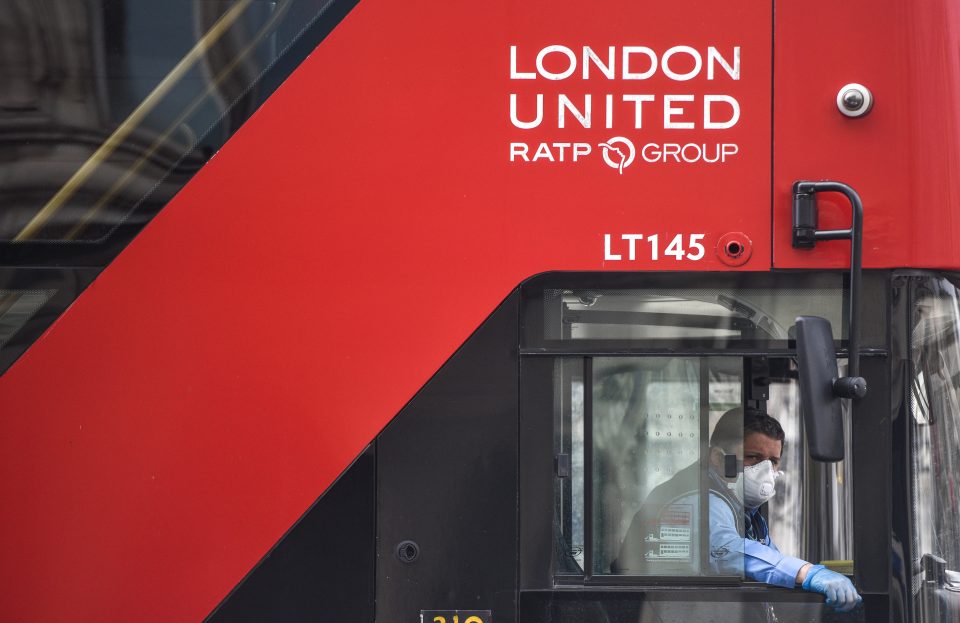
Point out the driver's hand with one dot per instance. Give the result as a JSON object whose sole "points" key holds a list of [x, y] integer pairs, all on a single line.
{"points": [[839, 590]]}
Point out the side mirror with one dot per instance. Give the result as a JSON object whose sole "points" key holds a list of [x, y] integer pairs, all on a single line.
{"points": [[821, 388]]}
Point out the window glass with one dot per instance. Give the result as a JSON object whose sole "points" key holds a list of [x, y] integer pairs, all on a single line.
{"points": [[17, 307], [716, 316], [637, 486], [812, 512], [935, 410], [111, 106], [635, 430], [108, 108], [568, 490]]}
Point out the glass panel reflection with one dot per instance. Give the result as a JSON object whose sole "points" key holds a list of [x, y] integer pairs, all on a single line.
{"points": [[109, 107], [710, 316], [568, 444], [935, 468], [17, 307], [646, 425]]}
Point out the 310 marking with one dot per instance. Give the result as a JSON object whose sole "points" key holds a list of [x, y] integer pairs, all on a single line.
{"points": [[455, 616]]}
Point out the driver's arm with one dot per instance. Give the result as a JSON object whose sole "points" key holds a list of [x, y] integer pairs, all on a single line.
{"points": [[761, 563], [765, 563]]}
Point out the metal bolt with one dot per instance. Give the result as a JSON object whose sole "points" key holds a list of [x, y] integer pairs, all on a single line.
{"points": [[854, 100]]}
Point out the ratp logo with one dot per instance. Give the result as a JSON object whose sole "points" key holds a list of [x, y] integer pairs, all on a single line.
{"points": [[618, 153]]}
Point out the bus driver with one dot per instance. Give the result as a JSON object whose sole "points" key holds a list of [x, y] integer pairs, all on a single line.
{"points": [[730, 538]]}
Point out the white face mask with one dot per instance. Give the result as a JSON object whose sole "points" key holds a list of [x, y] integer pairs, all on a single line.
{"points": [[759, 483]]}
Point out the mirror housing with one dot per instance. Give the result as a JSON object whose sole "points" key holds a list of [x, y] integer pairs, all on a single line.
{"points": [[819, 404]]}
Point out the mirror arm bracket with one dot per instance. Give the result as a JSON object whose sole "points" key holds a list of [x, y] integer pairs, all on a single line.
{"points": [[806, 235]]}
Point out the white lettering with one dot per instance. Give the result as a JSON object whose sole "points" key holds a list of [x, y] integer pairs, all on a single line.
{"points": [[689, 152], [682, 111], [518, 149], [654, 240], [608, 70], [674, 248], [669, 112], [632, 239], [716, 154], [709, 123], [695, 244], [692, 148], [525, 125], [607, 255], [564, 103], [543, 152], [714, 57], [685, 49], [650, 152], [550, 152], [517, 75], [638, 101], [564, 50], [563, 61], [630, 50]]}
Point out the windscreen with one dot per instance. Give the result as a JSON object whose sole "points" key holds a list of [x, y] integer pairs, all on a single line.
{"points": [[935, 410]]}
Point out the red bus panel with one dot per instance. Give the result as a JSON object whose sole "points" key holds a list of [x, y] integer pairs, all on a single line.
{"points": [[295, 295], [902, 157]]}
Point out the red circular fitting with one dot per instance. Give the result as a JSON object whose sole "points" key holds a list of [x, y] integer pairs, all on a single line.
{"points": [[734, 248]]}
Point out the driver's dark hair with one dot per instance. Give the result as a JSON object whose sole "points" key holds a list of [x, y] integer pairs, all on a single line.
{"points": [[737, 423]]}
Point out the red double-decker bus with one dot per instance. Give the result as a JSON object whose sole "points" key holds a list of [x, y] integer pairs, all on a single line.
{"points": [[327, 310]]}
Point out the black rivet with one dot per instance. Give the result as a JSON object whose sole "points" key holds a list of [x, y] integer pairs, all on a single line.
{"points": [[408, 551]]}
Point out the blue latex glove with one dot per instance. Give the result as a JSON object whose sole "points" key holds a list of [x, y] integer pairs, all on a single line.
{"points": [[839, 590]]}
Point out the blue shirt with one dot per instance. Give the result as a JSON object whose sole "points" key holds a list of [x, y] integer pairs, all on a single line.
{"points": [[759, 557]]}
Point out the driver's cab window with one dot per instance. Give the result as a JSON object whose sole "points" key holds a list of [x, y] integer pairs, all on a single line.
{"points": [[649, 482]]}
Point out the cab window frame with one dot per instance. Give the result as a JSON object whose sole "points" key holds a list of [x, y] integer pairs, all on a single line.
{"points": [[538, 558]]}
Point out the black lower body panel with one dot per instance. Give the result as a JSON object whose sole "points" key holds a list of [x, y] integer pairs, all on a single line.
{"points": [[323, 568]]}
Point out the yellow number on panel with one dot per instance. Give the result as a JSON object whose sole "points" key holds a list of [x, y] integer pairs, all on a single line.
{"points": [[439, 620], [474, 619]]}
